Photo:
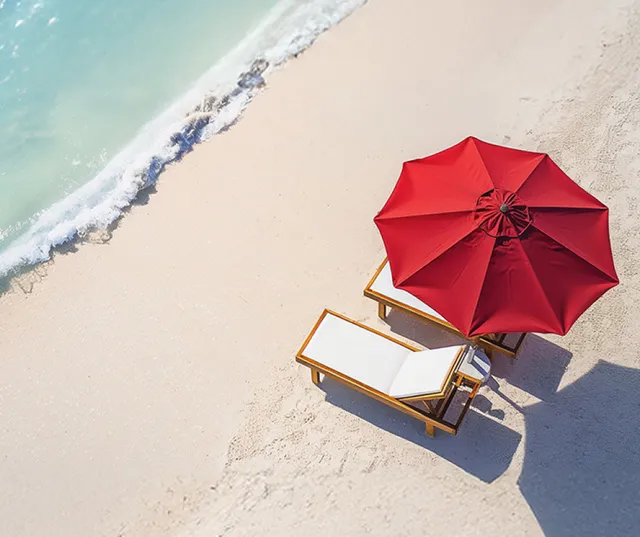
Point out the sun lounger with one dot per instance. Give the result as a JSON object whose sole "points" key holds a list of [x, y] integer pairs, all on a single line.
{"points": [[420, 383], [381, 289]]}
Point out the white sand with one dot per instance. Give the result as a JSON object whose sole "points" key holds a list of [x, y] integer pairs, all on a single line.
{"points": [[147, 385]]}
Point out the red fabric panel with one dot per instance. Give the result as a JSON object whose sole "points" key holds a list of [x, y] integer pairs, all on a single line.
{"points": [[443, 183], [571, 284], [415, 241], [549, 186], [583, 232], [511, 283], [452, 282], [507, 167]]}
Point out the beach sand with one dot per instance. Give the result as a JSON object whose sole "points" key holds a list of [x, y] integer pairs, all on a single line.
{"points": [[148, 384]]}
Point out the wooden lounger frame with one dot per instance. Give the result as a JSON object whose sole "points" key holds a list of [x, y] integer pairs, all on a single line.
{"points": [[436, 405], [490, 343]]}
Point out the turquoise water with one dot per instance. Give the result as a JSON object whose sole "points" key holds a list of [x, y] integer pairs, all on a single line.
{"points": [[91, 92]]}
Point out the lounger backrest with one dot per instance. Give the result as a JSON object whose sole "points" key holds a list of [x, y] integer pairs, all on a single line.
{"points": [[425, 372]]}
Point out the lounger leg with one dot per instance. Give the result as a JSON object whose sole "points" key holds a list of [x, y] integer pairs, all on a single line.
{"points": [[382, 310], [431, 430], [315, 376]]}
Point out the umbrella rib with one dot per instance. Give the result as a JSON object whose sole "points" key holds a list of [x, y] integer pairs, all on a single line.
{"points": [[542, 159], [569, 249], [484, 279], [459, 187], [404, 216], [544, 294], [565, 208], [440, 254], [484, 164]]}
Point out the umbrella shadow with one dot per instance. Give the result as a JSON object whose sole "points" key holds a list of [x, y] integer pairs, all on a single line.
{"points": [[538, 369], [581, 474], [483, 447]]}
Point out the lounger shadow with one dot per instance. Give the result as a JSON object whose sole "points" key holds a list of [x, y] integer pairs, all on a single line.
{"points": [[484, 448]]}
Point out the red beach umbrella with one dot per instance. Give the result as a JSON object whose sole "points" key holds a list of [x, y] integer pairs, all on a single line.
{"points": [[497, 240]]}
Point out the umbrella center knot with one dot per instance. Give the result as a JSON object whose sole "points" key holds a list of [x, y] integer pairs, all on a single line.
{"points": [[501, 213]]}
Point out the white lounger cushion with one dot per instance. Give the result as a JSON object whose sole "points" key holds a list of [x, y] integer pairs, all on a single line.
{"points": [[383, 284], [424, 372], [355, 352], [378, 362]]}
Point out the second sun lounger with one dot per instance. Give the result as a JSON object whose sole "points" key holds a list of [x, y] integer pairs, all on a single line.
{"points": [[381, 289], [419, 383]]}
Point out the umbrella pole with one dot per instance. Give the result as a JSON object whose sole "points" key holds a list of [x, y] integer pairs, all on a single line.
{"points": [[475, 343]]}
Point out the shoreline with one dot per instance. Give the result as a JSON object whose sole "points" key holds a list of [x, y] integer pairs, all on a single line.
{"points": [[213, 104], [149, 386]]}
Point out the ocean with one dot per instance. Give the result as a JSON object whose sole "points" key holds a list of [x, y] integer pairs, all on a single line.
{"points": [[97, 97]]}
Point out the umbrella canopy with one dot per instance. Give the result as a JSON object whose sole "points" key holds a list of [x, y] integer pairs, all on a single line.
{"points": [[497, 240]]}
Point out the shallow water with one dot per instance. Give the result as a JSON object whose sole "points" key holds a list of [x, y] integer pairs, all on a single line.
{"points": [[92, 92]]}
